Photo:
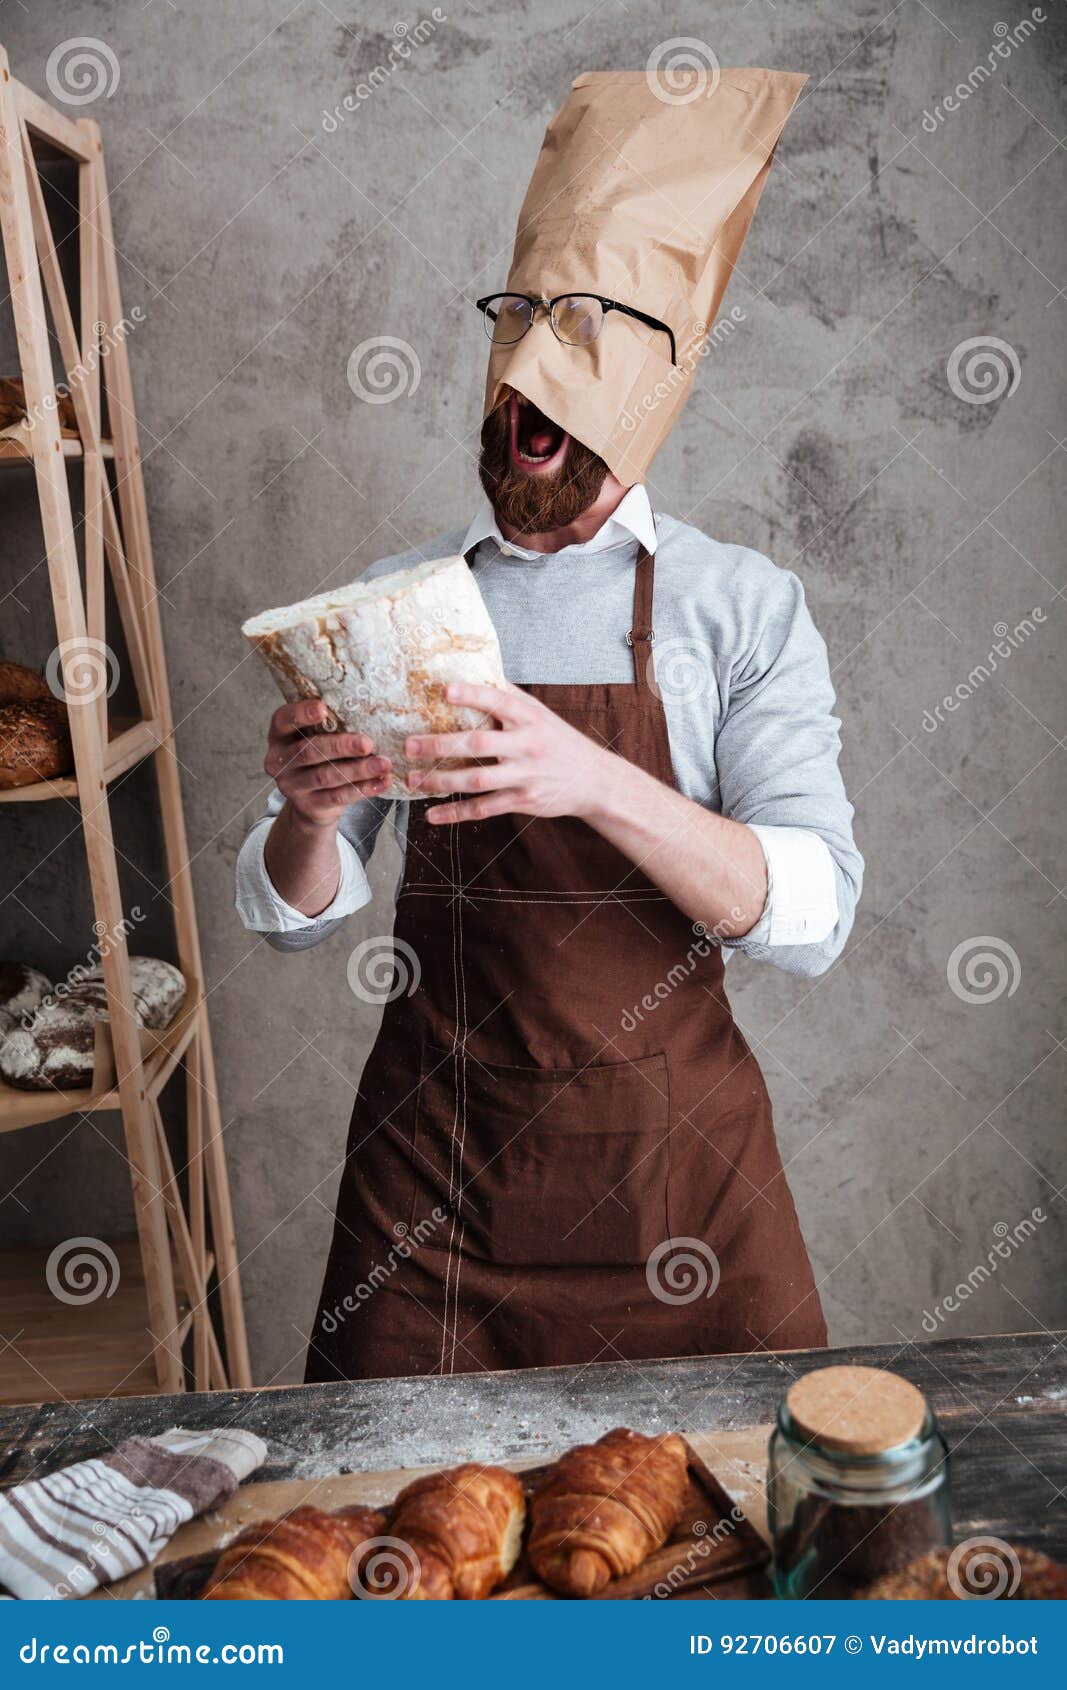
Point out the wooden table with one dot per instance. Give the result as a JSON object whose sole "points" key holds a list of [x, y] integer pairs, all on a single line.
{"points": [[1001, 1401]]}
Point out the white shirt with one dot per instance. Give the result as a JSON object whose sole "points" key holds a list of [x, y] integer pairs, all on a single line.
{"points": [[632, 519], [756, 741]]}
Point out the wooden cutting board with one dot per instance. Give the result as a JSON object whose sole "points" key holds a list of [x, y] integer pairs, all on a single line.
{"points": [[738, 1461]]}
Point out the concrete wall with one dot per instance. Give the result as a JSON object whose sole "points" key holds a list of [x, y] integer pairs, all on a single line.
{"points": [[918, 1126]]}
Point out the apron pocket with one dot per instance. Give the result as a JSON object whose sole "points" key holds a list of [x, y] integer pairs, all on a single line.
{"points": [[555, 1167]]}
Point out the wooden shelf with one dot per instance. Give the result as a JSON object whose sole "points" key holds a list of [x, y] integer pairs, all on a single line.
{"points": [[131, 742], [102, 577], [162, 1053], [16, 449], [58, 1351]]}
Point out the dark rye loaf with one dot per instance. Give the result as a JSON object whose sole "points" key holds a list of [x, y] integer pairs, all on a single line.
{"points": [[57, 1048], [22, 991]]}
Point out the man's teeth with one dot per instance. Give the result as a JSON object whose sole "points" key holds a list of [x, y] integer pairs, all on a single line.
{"points": [[533, 457]]}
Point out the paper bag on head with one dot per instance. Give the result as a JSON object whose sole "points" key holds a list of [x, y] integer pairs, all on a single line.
{"points": [[643, 195]]}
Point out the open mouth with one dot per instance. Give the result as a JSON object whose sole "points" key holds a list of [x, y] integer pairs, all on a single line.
{"points": [[537, 443]]}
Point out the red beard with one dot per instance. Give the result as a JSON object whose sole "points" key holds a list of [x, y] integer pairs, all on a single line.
{"points": [[535, 504]]}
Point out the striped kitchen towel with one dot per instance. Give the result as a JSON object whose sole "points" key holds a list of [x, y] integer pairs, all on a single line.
{"points": [[101, 1519]]}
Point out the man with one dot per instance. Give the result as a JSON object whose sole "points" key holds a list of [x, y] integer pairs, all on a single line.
{"points": [[562, 1149]]}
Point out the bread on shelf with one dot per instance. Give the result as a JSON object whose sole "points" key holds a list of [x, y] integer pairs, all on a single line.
{"points": [[13, 412], [55, 1051], [34, 742], [55, 1048], [380, 653], [158, 988], [22, 991], [19, 684], [604, 1507]]}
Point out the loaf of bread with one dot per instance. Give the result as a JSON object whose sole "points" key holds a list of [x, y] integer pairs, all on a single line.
{"points": [[985, 1569], [12, 401], [34, 742], [305, 1556], [158, 989], [464, 1527], [604, 1507], [18, 684], [380, 654], [13, 406], [22, 991], [56, 1049]]}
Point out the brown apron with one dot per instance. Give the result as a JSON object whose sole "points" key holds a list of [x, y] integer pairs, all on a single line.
{"points": [[562, 1148]]}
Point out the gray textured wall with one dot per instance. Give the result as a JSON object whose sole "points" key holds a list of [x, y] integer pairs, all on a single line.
{"points": [[917, 1125]]}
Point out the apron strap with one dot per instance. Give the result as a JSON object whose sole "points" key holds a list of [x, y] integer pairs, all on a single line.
{"points": [[642, 634]]}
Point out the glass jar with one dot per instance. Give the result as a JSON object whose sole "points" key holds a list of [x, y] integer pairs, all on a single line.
{"points": [[857, 1482]]}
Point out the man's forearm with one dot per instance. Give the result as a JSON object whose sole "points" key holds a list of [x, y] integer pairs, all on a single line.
{"points": [[712, 868], [303, 861]]}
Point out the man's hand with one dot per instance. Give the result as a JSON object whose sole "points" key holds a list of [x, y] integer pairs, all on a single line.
{"points": [[543, 767], [320, 774], [711, 867]]}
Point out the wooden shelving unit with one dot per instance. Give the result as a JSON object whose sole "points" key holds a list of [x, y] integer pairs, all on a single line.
{"points": [[156, 1331], [13, 451]]}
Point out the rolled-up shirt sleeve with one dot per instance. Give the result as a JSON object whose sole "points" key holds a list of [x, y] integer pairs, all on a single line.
{"points": [[261, 907], [777, 755]]}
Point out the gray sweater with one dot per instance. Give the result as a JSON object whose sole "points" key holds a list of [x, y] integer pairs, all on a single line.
{"points": [[745, 684]]}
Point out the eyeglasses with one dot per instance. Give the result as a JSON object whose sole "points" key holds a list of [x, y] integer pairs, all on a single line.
{"points": [[576, 318]]}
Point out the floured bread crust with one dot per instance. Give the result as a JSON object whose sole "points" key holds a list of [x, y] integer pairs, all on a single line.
{"points": [[57, 1046], [55, 1050], [380, 654], [157, 986], [22, 990]]}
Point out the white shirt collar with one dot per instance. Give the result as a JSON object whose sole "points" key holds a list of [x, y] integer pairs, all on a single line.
{"points": [[632, 519]]}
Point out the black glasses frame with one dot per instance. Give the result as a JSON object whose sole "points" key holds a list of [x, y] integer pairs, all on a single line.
{"points": [[485, 305]]}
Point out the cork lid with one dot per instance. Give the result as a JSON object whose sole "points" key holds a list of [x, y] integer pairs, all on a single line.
{"points": [[857, 1410]]}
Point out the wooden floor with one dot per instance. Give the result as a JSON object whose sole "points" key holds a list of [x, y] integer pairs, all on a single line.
{"points": [[1002, 1404], [54, 1351]]}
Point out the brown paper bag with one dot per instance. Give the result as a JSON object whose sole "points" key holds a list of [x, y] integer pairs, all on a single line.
{"points": [[642, 195]]}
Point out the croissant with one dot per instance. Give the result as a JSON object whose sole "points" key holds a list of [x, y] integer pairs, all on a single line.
{"points": [[305, 1555], [603, 1507], [463, 1528]]}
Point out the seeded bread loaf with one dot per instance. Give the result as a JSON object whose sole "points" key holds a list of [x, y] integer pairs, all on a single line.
{"points": [[34, 742], [380, 654], [18, 683]]}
